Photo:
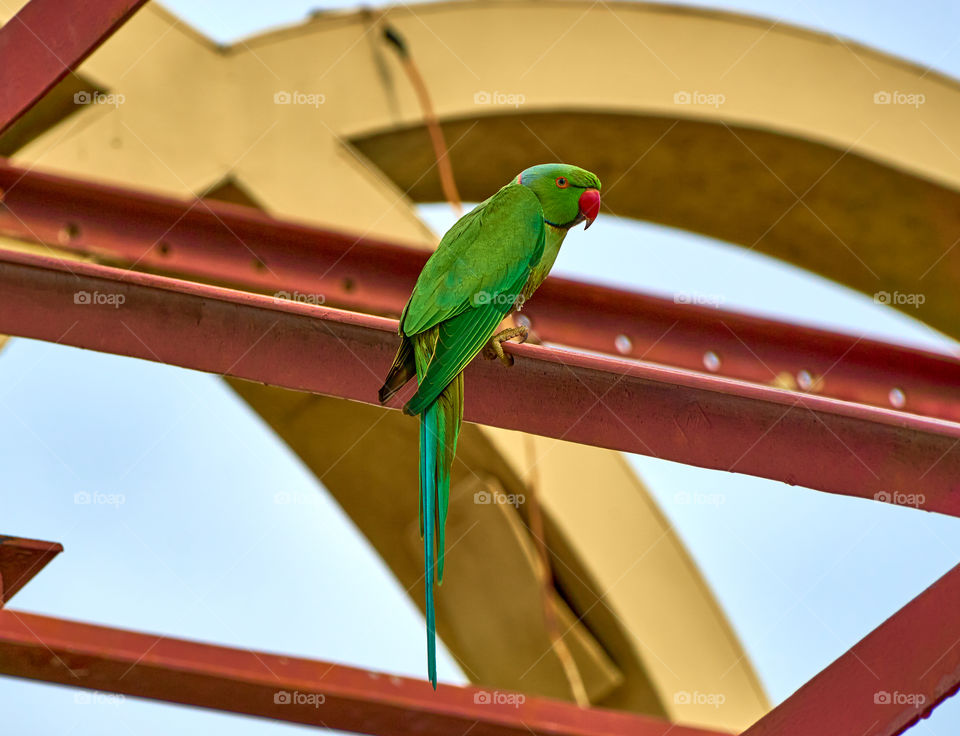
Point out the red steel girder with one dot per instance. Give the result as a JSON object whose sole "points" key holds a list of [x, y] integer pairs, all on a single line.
{"points": [[244, 247], [677, 415], [885, 682], [289, 688], [20, 561], [47, 40]]}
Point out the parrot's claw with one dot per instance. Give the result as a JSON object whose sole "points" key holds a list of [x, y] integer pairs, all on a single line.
{"points": [[494, 348]]}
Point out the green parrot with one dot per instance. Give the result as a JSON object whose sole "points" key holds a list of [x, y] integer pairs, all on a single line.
{"points": [[486, 266]]}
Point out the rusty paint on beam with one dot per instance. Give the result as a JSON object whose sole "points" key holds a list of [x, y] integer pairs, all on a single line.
{"points": [[677, 415], [241, 246], [47, 40], [290, 688], [20, 561]]}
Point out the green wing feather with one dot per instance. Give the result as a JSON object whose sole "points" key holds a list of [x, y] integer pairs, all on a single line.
{"points": [[470, 284], [485, 252]]}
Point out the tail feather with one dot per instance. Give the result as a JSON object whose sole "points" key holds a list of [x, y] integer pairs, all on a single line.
{"points": [[439, 430], [428, 481], [403, 369], [450, 419]]}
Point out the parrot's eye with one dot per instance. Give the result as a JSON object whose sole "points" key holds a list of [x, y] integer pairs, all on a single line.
{"points": [[562, 182]]}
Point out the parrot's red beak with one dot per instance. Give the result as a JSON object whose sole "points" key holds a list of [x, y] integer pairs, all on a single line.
{"points": [[590, 206]]}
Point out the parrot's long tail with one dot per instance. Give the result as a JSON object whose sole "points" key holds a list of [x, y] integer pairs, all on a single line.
{"points": [[439, 429]]}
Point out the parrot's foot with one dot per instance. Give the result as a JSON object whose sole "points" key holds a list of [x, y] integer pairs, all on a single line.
{"points": [[494, 348]]}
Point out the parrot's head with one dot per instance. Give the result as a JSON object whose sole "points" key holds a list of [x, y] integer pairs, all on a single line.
{"points": [[568, 194]]}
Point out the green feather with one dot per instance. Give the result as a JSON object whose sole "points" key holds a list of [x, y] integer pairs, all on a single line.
{"points": [[483, 255]]}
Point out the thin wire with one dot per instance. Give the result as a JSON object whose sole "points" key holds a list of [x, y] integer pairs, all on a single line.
{"points": [[535, 517], [444, 168]]}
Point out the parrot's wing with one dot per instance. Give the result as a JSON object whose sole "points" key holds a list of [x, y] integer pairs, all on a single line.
{"points": [[481, 268], [458, 341], [479, 259]]}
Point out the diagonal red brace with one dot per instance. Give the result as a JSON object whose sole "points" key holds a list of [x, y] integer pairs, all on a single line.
{"points": [[289, 688], [20, 561], [47, 40], [892, 677]]}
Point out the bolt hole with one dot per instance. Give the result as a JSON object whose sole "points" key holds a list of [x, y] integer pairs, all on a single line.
{"points": [[897, 398], [259, 265], [711, 361], [69, 232], [349, 285], [164, 248]]}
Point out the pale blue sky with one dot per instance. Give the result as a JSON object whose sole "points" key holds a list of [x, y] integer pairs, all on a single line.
{"points": [[200, 548]]}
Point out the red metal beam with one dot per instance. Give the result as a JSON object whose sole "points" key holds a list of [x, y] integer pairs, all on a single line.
{"points": [[892, 677], [244, 247], [20, 561], [678, 415], [47, 40], [288, 688]]}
